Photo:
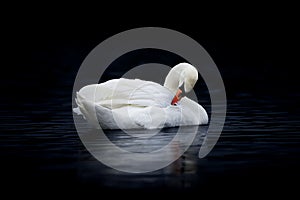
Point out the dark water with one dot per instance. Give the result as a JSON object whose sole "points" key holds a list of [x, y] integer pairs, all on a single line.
{"points": [[259, 148]]}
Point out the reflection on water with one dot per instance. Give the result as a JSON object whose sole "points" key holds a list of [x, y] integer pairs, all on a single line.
{"points": [[181, 173]]}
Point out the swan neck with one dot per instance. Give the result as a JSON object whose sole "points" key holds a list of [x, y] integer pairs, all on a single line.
{"points": [[174, 79]]}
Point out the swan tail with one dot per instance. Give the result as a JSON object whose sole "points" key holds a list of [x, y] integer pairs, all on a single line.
{"points": [[77, 111], [86, 109], [79, 104]]}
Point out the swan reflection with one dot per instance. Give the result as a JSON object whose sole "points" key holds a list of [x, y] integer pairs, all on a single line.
{"points": [[179, 173]]}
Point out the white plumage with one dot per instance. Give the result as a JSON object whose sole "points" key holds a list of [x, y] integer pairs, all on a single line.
{"points": [[134, 103]]}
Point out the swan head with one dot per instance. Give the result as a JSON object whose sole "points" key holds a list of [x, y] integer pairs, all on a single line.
{"points": [[181, 74], [190, 77]]}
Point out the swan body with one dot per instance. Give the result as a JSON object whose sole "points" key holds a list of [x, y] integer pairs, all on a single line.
{"points": [[134, 103]]}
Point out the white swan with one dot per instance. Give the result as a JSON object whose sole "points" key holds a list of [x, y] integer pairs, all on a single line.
{"points": [[134, 103]]}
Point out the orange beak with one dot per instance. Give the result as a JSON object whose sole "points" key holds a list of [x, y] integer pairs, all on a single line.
{"points": [[177, 97]]}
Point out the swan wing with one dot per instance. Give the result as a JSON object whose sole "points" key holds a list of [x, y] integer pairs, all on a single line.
{"points": [[192, 112], [117, 93]]}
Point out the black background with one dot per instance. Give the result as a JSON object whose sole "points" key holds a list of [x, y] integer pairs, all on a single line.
{"points": [[252, 48]]}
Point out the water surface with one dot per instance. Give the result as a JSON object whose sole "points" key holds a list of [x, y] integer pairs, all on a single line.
{"points": [[259, 147]]}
